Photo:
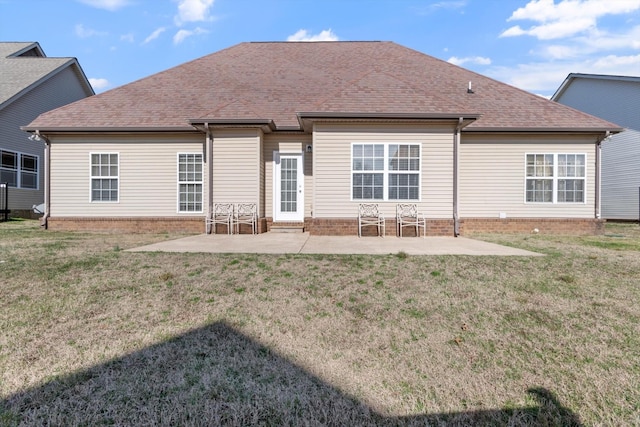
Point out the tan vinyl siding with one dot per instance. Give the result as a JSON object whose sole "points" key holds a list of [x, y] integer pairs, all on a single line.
{"points": [[332, 168], [287, 144], [236, 166], [492, 176], [148, 182]]}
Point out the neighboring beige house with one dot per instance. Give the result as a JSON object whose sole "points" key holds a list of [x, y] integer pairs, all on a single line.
{"points": [[307, 131], [614, 98], [30, 84]]}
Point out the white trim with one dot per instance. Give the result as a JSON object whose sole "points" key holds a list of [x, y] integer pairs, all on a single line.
{"points": [[298, 216], [555, 178], [91, 177], [386, 172], [178, 182]]}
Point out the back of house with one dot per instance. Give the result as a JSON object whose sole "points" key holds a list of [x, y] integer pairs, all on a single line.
{"points": [[306, 132]]}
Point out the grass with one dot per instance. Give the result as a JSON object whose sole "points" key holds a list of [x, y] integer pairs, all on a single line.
{"points": [[95, 335]]}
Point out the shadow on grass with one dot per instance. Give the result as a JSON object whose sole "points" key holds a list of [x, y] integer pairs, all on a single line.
{"points": [[215, 375]]}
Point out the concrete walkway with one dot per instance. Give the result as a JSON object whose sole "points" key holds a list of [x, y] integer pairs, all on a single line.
{"points": [[303, 243]]}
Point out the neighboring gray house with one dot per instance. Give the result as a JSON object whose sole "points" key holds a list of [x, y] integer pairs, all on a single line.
{"points": [[30, 84], [617, 99]]}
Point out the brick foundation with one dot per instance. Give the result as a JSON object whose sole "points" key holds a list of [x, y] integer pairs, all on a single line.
{"points": [[570, 226], [337, 226], [129, 224]]}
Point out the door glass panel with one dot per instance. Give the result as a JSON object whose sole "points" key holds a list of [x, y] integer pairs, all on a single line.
{"points": [[288, 185]]}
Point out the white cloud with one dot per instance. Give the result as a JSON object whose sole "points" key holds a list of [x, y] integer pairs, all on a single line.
{"points": [[181, 35], [561, 52], [154, 35], [593, 42], [442, 5], [566, 18], [111, 5], [193, 11], [480, 60], [613, 64], [304, 36], [602, 40], [98, 84], [84, 33], [545, 77], [127, 38]]}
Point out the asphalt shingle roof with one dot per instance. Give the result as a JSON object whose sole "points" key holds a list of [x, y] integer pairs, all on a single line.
{"points": [[275, 81], [18, 73]]}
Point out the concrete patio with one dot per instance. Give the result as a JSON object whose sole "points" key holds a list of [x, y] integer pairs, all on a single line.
{"points": [[303, 243]]}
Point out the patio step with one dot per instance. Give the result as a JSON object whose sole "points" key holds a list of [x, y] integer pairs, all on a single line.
{"points": [[287, 228]]}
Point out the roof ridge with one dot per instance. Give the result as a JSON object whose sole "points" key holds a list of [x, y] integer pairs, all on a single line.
{"points": [[318, 41]]}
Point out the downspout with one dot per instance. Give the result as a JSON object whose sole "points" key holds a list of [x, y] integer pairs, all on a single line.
{"points": [[47, 180], [209, 160], [456, 150], [599, 174]]}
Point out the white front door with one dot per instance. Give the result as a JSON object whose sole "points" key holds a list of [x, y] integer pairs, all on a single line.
{"points": [[288, 183]]}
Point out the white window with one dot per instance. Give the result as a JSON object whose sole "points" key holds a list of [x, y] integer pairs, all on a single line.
{"points": [[19, 170], [189, 182], [29, 171], [385, 172], [368, 171], [9, 168], [104, 177], [555, 178]]}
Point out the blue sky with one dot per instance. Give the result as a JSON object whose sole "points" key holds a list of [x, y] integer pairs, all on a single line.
{"points": [[531, 44]]}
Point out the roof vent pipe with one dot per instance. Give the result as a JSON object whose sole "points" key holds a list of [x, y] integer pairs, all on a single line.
{"points": [[469, 90]]}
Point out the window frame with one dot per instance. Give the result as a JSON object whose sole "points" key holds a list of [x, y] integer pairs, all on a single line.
{"points": [[34, 172], [555, 178], [386, 171], [102, 177], [18, 170], [179, 183]]}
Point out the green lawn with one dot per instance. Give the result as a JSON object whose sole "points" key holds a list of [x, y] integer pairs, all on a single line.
{"points": [[95, 335]]}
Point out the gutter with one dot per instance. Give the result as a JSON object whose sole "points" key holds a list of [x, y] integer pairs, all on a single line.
{"points": [[305, 119], [456, 171], [267, 125], [551, 131], [106, 129]]}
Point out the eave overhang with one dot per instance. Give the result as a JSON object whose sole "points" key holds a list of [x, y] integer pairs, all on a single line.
{"points": [[307, 119], [266, 125], [105, 129], [547, 130]]}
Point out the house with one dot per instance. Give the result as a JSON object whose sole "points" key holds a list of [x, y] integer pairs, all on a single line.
{"points": [[307, 131], [614, 98], [30, 84]]}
